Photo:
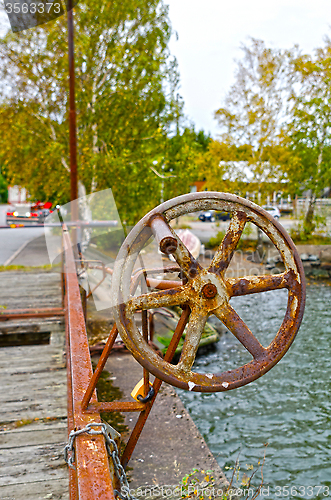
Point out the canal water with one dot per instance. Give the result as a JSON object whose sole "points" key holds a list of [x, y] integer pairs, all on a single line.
{"points": [[289, 408]]}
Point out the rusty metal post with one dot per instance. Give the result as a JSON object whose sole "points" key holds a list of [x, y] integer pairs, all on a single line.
{"points": [[72, 108], [62, 273], [72, 124]]}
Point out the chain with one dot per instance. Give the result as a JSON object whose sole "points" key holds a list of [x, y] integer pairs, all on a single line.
{"points": [[112, 450]]}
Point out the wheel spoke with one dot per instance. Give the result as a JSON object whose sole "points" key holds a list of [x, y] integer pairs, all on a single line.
{"points": [[163, 298], [241, 331], [224, 253], [257, 284], [193, 335]]}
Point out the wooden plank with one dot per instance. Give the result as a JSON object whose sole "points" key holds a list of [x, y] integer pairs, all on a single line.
{"points": [[32, 472], [52, 359], [30, 414], [29, 290], [26, 455], [12, 277], [20, 401], [42, 368], [18, 328], [42, 352], [29, 392], [39, 357], [19, 383], [54, 432], [33, 402], [56, 489]]}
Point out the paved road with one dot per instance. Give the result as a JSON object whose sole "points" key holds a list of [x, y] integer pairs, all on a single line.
{"points": [[11, 240]]}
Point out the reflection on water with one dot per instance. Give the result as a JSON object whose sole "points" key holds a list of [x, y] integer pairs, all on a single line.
{"points": [[289, 407]]}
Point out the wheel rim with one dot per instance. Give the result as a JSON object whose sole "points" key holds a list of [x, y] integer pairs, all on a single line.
{"points": [[198, 293]]}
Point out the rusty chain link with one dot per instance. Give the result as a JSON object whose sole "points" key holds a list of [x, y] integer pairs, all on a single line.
{"points": [[112, 450]]}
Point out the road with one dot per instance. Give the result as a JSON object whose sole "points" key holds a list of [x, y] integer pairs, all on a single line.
{"points": [[205, 230], [11, 240]]}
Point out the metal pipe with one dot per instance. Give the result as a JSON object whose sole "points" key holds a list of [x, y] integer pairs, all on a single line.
{"points": [[157, 384], [72, 113], [8, 314], [165, 238], [100, 366]]}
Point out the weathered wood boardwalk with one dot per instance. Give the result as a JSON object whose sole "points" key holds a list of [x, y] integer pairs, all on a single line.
{"points": [[24, 290], [33, 424]]}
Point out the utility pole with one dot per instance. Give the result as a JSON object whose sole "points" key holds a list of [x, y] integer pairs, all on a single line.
{"points": [[72, 130], [72, 115]]}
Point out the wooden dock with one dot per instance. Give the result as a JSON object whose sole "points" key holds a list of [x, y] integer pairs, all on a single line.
{"points": [[33, 403], [33, 407]]}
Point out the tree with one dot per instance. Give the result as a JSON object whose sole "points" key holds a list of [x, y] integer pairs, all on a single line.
{"points": [[256, 105], [225, 167], [308, 134], [125, 84], [183, 155]]}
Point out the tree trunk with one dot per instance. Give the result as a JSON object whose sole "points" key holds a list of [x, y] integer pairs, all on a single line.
{"points": [[308, 224]]}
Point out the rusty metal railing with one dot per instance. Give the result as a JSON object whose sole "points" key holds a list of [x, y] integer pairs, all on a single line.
{"points": [[92, 477], [83, 406], [94, 473]]}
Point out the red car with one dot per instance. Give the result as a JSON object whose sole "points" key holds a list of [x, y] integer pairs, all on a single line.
{"points": [[25, 214]]}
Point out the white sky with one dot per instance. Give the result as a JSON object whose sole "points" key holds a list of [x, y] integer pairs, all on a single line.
{"points": [[210, 33]]}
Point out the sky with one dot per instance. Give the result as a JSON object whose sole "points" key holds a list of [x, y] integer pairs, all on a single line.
{"points": [[210, 33]]}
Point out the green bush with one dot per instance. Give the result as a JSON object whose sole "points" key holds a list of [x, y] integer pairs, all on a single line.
{"points": [[3, 189]]}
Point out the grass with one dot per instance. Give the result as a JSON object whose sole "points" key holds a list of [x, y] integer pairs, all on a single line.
{"points": [[183, 226], [26, 268], [215, 241], [313, 239], [201, 484]]}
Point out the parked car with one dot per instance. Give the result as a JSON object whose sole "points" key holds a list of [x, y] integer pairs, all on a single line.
{"points": [[28, 214], [222, 216], [274, 211], [207, 216]]}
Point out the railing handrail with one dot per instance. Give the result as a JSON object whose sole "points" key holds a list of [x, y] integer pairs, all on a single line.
{"points": [[92, 477]]}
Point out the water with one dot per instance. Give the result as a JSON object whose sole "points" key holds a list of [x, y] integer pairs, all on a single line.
{"points": [[289, 407]]}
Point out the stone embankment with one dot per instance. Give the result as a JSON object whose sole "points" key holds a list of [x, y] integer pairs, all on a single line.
{"points": [[316, 260]]}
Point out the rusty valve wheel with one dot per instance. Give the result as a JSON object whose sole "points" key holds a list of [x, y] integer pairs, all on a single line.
{"points": [[208, 291]]}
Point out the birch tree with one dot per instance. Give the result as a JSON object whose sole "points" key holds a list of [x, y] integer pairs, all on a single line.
{"points": [[308, 134], [256, 105]]}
